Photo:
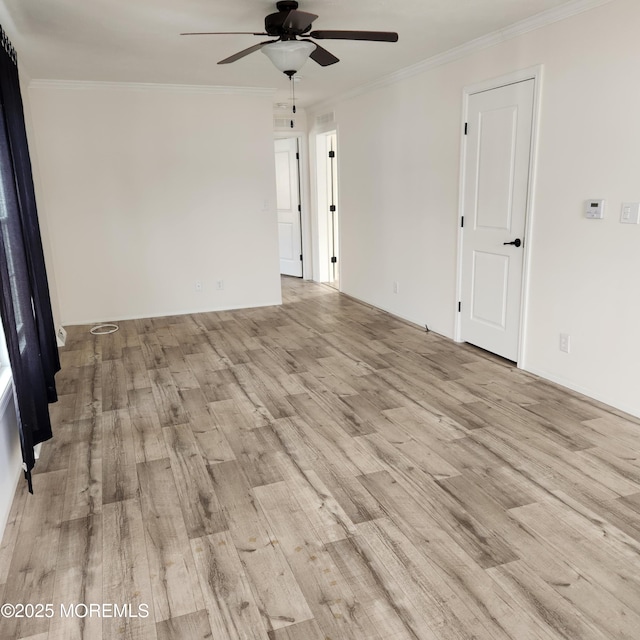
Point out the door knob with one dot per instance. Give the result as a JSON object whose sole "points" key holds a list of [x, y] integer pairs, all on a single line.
{"points": [[517, 242]]}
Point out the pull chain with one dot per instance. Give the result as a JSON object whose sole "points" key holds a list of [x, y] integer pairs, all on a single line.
{"points": [[293, 98]]}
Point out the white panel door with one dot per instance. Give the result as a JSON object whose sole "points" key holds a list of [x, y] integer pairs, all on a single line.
{"points": [[287, 203], [500, 123]]}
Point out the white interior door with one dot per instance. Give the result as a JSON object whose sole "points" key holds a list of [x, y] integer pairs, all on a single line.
{"points": [[288, 205], [499, 128]]}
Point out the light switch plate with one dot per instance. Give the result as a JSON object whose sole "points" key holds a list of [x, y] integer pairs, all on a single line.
{"points": [[630, 213]]}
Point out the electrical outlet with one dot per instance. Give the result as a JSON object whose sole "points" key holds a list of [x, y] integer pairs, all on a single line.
{"points": [[61, 336], [396, 287], [198, 285], [565, 342], [219, 285]]}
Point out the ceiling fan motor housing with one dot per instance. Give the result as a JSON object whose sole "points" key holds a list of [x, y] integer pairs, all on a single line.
{"points": [[287, 22]]}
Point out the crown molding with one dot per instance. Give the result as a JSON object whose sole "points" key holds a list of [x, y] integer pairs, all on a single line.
{"points": [[150, 86], [517, 29]]}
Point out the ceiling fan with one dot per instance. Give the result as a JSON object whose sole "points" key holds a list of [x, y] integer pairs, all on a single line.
{"points": [[292, 46]]}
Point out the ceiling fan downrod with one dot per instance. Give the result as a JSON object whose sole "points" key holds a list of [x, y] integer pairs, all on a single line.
{"points": [[286, 5]]}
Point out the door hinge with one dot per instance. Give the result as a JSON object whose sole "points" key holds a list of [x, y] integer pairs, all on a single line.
{"points": [[459, 307], [332, 154], [466, 128], [300, 256], [462, 221], [297, 156], [334, 260], [332, 208], [299, 207]]}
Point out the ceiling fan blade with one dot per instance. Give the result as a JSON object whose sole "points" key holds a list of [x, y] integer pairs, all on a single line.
{"points": [[224, 33], [323, 57], [298, 21], [375, 36], [245, 52]]}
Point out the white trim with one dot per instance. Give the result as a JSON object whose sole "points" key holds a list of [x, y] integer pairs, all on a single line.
{"points": [[305, 197], [521, 75], [6, 388], [164, 314], [535, 74], [537, 21], [149, 86], [10, 475], [320, 213], [590, 393], [457, 323], [538, 77]]}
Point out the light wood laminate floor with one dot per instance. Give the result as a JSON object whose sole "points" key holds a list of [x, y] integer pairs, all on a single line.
{"points": [[321, 471]]}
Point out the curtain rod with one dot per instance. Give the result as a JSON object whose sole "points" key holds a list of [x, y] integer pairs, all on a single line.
{"points": [[7, 46]]}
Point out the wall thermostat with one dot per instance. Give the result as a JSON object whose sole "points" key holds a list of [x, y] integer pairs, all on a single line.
{"points": [[594, 209]]}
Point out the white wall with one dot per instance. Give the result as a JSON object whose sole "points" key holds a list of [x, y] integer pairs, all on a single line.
{"points": [[25, 81], [399, 177], [149, 189]]}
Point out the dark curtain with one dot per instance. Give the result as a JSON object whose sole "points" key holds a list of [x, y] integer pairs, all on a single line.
{"points": [[25, 307]]}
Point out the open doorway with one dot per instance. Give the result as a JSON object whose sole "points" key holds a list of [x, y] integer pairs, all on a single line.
{"points": [[328, 214]]}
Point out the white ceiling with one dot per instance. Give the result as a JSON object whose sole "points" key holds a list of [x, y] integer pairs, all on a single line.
{"points": [[138, 41]]}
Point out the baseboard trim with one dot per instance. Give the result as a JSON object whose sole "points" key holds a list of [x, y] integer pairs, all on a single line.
{"points": [[589, 393], [540, 373], [167, 314]]}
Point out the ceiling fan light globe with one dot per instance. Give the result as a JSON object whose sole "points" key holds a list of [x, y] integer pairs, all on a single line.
{"points": [[288, 56]]}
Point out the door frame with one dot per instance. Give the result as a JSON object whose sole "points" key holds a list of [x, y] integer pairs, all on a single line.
{"points": [[305, 217], [320, 181], [532, 73]]}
